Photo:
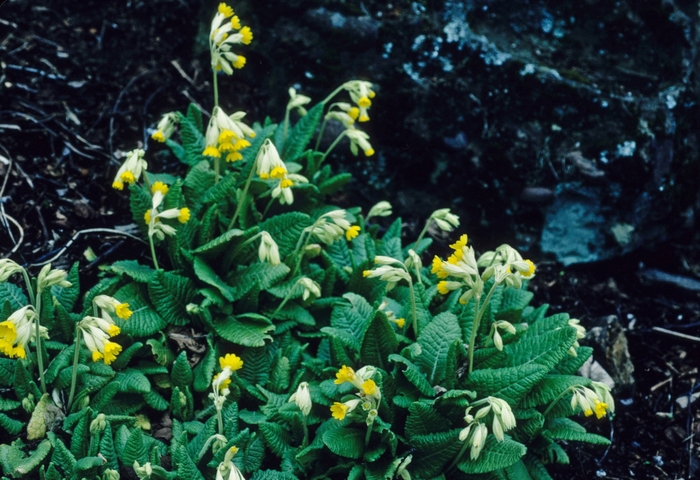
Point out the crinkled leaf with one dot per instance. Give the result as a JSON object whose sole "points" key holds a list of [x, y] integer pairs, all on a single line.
{"points": [[248, 329], [435, 341], [509, 384], [346, 442], [133, 269], [144, 321], [494, 456], [170, 294]]}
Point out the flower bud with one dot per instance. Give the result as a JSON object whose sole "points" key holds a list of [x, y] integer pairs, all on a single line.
{"points": [[98, 424], [143, 472], [302, 398], [8, 268], [381, 209]]}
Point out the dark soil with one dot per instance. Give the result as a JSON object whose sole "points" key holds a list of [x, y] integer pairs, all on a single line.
{"points": [[81, 82]]}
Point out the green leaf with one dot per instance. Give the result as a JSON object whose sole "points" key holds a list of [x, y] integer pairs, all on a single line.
{"points": [[403, 296], [140, 202], [221, 244], [363, 248], [7, 371], [536, 468], [276, 438], [124, 357], [156, 401], [181, 375], [335, 183], [60, 361], [264, 274], [194, 115], [510, 384], [61, 455], [546, 349], [248, 329], [33, 461], [435, 341], [414, 375], [13, 294], [280, 375], [104, 396], [133, 269], [494, 456], [192, 139], [301, 134], [204, 371], [257, 366], [69, 295], [546, 325], [285, 229], [135, 448], [433, 451], [206, 274], [88, 467], [11, 426], [80, 437], [346, 442], [199, 179], [569, 365], [23, 383], [161, 353], [378, 342], [132, 381], [423, 419], [170, 294], [36, 428], [144, 321], [186, 468], [353, 318], [567, 429], [551, 387]]}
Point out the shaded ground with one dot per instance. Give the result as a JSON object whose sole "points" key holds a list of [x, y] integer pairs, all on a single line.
{"points": [[79, 88]]}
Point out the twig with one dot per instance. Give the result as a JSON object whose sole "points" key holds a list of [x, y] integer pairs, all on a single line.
{"points": [[182, 72], [676, 334], [77, 234], [21, 234], [116, 107]]}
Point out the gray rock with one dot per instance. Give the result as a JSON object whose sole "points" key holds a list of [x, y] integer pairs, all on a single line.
{"points": [[608, 338]]}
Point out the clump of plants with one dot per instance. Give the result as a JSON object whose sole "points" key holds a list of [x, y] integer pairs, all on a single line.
{"points": [[275, 336]]}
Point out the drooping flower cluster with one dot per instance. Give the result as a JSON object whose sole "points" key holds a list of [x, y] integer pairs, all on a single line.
{"points": [[226, 30], [368, 392], [229, 363], [131, 169], [165, 127], [360, 92], [18, 330], [390, 315], [387, 271], [268, 250], [226, 134], [475, 432], [331, 226], [98, 331], [597, 400], [154, 217]]}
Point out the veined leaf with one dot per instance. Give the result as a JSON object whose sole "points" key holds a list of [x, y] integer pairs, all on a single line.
{"points": [[11, 426], [378, 342], [265, 274], [346, 442], [335, 183], [435, 341], [257, 366], [248, 329], [551, 387], [132, 268], [140, 202], [300, 136], [170, 294], [220, 244], [433, 451], [569, 365], [132, 381], [276, 438], [494, 456], [192, 140], [206, 274], [423, 419], [32, 461], [354, 318], [391, 248], [145, 321], [414, 375], [13, 294], [199, 179], [509, 384], [68, 296], [285, 229], [567, 429], [181, 375]]}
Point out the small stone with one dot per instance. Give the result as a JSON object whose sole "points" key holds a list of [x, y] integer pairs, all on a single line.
{"points": [[682, 402], [608, 337]]}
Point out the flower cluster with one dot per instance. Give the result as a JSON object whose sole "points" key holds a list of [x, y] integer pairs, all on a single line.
{"points": [[475, 432], [154, 217], [390, 315], [18, 330], [331, 226], [360, 92], [165, 127], [131, 169], [387, 272], [226, 134], [223, 34], [98, 331], [229, 364], [597, 400], [268, 250], [368, 392]]}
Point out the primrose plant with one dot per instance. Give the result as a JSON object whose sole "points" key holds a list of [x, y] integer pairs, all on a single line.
{"points": [[275, 336]]}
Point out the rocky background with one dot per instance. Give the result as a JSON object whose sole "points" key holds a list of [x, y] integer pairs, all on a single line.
{"points": [[567, 129]]}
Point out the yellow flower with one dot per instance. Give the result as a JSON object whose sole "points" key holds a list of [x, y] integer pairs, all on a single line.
{"points": [[339, 410], [159, 187], [211, 152], [437, 268], [240, 62], [352, 232], [442, 287], [184, 215], [234, 157], [530, 271], [225, 10], [400, 322], [286, 183], [158, 136], [113, 330], [122, 311], [127, 177], [600, 409], [364, 102], [345, 374], [247, 36], [369, 387], [588, 412], [462, 242], [366, 273], [147, 216], [354, 112], [111, 351], [236, 22], [224, 384], [232, 361], [118, 185]]}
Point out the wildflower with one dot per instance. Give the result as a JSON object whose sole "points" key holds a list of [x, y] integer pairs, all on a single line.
{"points": [[112, 305], [8, 268], [97, 340], [311, 288], [302, 398], [48, 277], [401, 466], [221, 381], [387, 273], [381, 209], [359, 140], [360, 92], [227, 134], [369, 387], [445, 220], [478, 439], [231, 361], [580, 333], [330, 226], [131, 169], [414, 261], [352, 232], [297, 101], [165, 127], [18, 330], [502, 324], [593, 401], [268, 251], [268, 163], [143, 472], [283, 189], [399, 322], [227, 470], [345, 374], [159, 187], [154, 218], [223, 34], [340, 410]]}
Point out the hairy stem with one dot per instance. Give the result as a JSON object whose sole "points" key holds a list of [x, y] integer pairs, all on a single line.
{"points": [[335, 142], [559, 397], [286, 299], [478, 313], [458, 457]]}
